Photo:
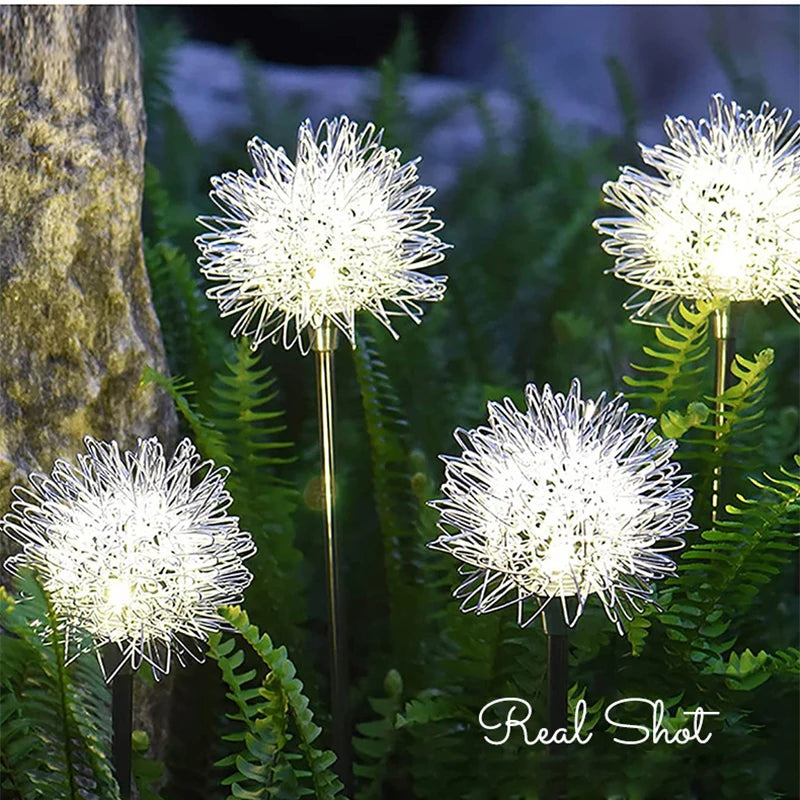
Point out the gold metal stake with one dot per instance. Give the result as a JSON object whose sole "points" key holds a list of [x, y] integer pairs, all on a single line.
{"points": [[324, 340], [722, 336]]}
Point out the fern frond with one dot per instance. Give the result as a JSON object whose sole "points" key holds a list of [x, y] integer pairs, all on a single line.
{"points": [[60, 714], [721, 575], [673, 375], [741, 404], [207, 437], [708, 443], [242, 409], [243, 406], [395, 500], [376, 740], [745, 671], [239, 439], [271, 716], [193, 340], [747, 549]]}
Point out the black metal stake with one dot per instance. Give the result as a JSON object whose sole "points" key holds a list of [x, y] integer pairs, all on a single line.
{"points": [[122, 724], [557, 652]]}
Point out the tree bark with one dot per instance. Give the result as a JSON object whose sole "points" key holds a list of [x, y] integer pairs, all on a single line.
{"points": [[76, 319]]}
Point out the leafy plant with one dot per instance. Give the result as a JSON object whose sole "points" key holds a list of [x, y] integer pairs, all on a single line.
{"points": [[56, 726], [272, 716]]}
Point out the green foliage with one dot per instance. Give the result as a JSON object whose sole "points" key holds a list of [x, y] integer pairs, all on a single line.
{"points": [[375, 741], [243, 404], [748, 549], [146, 772], [246, 436], [55, 719], [276, 756], [193, 344], [391, 108], [727, 440], [157, 42], [208, 439], [395, 501], [678, 360]]}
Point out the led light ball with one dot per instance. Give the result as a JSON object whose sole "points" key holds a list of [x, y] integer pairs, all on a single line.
{"points": [[343, 228], [567, 499], [719, 219], [133, 549]]}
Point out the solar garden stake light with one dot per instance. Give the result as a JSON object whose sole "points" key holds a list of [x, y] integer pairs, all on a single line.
{"points": [[301, 248], [548, 506], [136, 553], [719, 221]]}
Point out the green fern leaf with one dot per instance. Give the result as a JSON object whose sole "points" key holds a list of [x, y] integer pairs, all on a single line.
{"points": [[721, 575], [272, 717], [396, 502], [243, 406], [673, 375], [59, 714], [253, 430], [727, 444], [207, 437], [194, 341], [376, 740]]}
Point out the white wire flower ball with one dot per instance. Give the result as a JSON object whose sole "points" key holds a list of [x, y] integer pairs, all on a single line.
{"points": [[133, 549], [720, 219], [567, 499], [342, 229]]}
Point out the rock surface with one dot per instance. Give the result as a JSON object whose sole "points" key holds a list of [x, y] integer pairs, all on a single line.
{"points": [[76, 319]]}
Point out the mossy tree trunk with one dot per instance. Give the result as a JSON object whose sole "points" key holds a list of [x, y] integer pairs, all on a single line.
{"points": [[77, 323], [76, 319]]}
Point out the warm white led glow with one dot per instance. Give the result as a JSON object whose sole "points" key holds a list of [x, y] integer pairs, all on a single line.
{"points": [[118, 594], [566, 499], [719, 220], [133, 549], [342, 229]]}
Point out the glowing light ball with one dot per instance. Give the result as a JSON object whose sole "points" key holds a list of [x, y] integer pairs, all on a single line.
{"points": [[133, 549], [343, 228], [719, 219], [566, 499]]}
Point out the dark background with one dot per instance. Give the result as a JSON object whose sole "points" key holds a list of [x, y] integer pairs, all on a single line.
{"points": [[675, 57], [316, 35]]}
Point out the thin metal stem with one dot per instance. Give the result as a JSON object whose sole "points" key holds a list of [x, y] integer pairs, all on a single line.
{"points": [[122, 724], [324, 344], [724, 347]]}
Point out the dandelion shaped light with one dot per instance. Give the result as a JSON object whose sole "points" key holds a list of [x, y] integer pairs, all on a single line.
{"points": [[342, 229], [720, 219], [134, 550], [567, 499]]}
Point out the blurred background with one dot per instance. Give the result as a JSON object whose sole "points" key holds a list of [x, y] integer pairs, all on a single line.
{"points": [[676, 56]]}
